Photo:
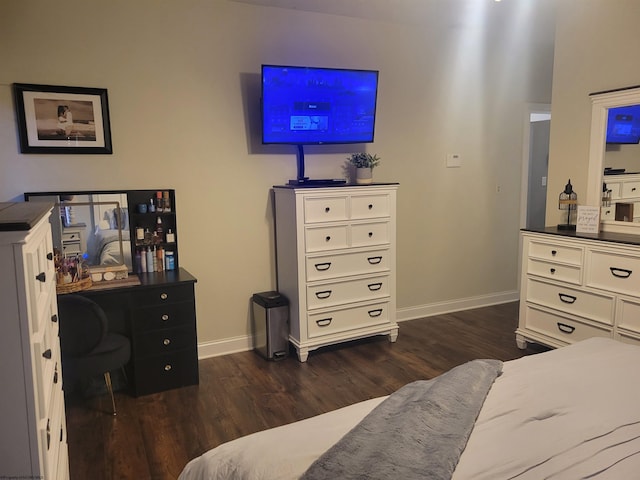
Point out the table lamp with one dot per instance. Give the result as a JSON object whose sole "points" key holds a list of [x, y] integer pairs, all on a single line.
{"points": [[568, 200]]}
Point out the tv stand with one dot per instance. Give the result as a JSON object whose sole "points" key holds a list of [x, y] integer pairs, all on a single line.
{"points": [[317, 182]]}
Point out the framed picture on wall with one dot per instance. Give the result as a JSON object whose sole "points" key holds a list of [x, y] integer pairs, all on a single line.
{"points": [[57, 119]]}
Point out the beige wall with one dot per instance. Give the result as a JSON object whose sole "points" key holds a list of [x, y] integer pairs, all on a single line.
{"points": [[182, 78], [596, 41]]}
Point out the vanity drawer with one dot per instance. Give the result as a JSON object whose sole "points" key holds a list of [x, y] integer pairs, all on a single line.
{"points": [[343, 264], [326, 238], [336, 293], [631, 189], [164, 295], [556, 252], [562, 328], [555, 271], [158, 373], [167, 340], [370, 206], [576, 302], [366, 234], [325, 209], [164, 316], [614, 271], [337, 321]]}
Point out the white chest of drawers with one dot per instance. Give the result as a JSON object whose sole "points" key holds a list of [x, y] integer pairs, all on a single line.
{"points": [[32, 412], [574, 288], [336, 262]]}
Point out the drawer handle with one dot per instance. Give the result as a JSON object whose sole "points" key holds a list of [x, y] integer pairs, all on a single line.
{"points": [[322, 267], [552, 270], [375, 286], [374, 260], [167, 367], [370, 206], [41, 277], [48, 433], [50, 256], [620, 272], [554, 253], [325, 322], [633, 189], [165, 317], [47, 354], [375, 313], [327, 238], [327, 209], [166, 342], [370, 234], [164, 296], [567, 298], [324, 294], [54, 318], [55, 374], [564, 328]]}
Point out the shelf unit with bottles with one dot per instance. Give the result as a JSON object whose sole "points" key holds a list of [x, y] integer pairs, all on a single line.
{"points": [[147, 210]]}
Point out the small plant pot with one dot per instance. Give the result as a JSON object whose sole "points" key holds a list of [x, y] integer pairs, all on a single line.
{"points": [[364, 175]]}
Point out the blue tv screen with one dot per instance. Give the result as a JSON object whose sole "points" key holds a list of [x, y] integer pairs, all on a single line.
{"points": [[311, 105], [623, 124]]}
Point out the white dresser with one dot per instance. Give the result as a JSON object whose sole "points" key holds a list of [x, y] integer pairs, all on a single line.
{"points": [[336, 262], [32, 413], [574, 288]]}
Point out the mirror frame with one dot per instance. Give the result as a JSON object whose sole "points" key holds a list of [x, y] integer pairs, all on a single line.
{"points": [[601, 103]]}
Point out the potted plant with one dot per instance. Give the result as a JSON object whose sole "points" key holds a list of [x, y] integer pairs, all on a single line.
{"points": [[364, 164]]}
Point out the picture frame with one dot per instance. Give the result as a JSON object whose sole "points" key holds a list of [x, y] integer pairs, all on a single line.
{"points": [[62, 120]]}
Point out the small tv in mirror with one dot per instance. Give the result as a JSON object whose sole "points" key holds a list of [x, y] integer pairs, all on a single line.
{"points": [[623, 125]]}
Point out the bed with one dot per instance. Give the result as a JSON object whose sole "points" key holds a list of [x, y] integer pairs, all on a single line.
{"points": [[568, 413]]}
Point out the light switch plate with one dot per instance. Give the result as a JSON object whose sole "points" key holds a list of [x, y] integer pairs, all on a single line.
{"points": [[454, 160]]}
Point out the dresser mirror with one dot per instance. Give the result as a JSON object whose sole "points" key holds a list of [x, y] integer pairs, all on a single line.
{"points": [[620, 161], [92, 224]]}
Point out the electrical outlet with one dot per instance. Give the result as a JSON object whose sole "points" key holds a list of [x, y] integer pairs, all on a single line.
{"points": [[454, 160]]}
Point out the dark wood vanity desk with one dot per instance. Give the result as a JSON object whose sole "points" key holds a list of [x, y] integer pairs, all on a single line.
{"points": [[157, 312]]}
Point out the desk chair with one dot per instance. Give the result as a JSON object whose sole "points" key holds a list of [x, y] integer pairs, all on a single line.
{"points": [[87, 348]]}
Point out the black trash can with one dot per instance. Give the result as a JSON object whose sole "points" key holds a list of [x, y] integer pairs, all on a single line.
{"points": [[271, 325]]}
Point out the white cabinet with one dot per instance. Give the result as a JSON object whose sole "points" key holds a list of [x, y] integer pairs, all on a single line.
{"points": [[336, 262], [624, 188], [32, 413], [574, 288]]}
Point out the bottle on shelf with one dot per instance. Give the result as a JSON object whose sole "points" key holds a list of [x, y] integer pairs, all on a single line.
{"points": [[159, 230], [138, 261], [160, 258], [149, 260], [159, 202], [143, 260], [171, 237], [152, 206], [169, 260], [166, 201]]}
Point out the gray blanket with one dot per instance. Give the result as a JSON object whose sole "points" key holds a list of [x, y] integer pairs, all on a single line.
{"points": [[419, 431]]}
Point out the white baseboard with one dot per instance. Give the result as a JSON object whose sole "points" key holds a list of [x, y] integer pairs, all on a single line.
{"points": [[245, 343], [457, 305]]}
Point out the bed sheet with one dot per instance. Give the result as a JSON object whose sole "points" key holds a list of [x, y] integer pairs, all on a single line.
{"points": [[568, 413]]}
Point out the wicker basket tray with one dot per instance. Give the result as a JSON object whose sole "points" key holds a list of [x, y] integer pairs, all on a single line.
{"points": [[74, 286]]}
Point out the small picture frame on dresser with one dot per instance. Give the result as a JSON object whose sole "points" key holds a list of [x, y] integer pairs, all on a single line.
{"points": [[588, 219]]}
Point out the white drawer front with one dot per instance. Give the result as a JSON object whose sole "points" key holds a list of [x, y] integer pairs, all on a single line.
{"points": [[365, 234], [337, 321], [337, 293], [555, 252], [318, 239], [608, 213], [340, 265], [561, 328], [569, 300], [628, 314], [626, 338], [615, 272], [615, 187], [328, 209], [555, 271], [631, 189], [370, 206]]}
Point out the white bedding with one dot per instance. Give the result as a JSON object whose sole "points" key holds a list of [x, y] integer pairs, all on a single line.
{"points": [[565, 414]]}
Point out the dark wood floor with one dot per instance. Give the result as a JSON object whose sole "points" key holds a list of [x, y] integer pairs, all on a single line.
{"points": [[154, 436]]}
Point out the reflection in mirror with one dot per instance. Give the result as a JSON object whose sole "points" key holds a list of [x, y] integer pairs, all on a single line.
{"points": [[94, 225], [614, 159]]}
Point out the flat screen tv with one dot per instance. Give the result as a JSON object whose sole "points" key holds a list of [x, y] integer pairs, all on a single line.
{"points": [[315, 106], [623, 125]]}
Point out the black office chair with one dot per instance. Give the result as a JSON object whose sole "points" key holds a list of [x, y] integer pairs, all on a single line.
{"points": [[87, 348]]}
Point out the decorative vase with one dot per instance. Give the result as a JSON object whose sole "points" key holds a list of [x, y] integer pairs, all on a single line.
{"points": [[364, 175]]}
